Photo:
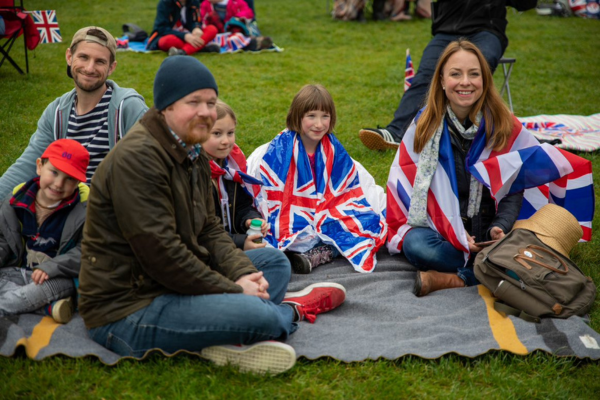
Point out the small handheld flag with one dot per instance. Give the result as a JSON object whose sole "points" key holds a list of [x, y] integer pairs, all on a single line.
{"points": [[47, 25], [409, 72]]}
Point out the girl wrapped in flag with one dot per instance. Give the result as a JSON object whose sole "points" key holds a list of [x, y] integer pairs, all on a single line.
{"points": [[466, 170], [233, 189], [319, 202]]}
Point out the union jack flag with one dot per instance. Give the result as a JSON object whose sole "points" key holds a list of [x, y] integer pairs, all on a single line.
{"points": [[545, 173], [47, 25], [231, 42], [331, 208], [234, 169], [409, 72]]}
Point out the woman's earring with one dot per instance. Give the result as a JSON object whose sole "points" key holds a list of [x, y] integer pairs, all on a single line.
{"points": [[443, 87]]}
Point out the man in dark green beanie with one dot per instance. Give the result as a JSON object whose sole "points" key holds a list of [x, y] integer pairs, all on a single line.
{"points": [[158, 269]]}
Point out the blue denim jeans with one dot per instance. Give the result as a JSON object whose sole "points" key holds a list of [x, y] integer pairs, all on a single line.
{"points": [[175, 322], [414, 98], [428, 250], [19, 294]]}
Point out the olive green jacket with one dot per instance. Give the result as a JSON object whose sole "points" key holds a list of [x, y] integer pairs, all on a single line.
{"points": [[151, 228]]}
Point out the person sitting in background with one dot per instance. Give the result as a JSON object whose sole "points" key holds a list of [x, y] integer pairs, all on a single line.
{"points": [[40, 235], [96, 113], [178, 29], [482, 22]]}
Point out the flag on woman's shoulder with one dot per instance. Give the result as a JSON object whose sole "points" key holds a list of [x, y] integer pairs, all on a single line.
{"points": [[545, 173]]}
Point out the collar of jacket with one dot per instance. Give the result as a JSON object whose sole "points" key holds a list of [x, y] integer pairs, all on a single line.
{"points": [[155, 123]]}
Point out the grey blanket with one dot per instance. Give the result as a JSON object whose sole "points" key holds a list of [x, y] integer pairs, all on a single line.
{"points": [[381, 318]]}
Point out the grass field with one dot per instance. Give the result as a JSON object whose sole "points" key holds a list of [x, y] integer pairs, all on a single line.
{"points": [[363, 67]]}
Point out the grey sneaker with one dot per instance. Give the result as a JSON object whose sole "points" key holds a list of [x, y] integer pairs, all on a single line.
{"points": [[378, 139], [300, 263], [174, 51], [262, 357]]}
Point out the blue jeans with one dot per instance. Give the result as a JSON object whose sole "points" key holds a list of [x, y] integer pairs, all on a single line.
{"points": [[175, 322], [19, 294], [426, 249], [414, 98]]}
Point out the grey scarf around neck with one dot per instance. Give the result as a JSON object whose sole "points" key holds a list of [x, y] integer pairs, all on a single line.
{"points": [[427, 165]]}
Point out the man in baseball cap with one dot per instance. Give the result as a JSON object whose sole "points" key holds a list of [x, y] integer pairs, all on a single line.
{"points": [[96, 113], [158, 269]]}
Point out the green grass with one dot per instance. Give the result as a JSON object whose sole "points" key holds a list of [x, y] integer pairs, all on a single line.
{"points": [[363, 67]]}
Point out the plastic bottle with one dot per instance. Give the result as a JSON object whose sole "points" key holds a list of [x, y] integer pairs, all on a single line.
{"points": [[254, 229]]}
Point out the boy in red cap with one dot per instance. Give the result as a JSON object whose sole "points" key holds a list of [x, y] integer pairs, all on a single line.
{"points": [[40, 235]]}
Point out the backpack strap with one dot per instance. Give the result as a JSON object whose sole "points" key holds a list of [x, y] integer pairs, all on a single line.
{"points": [[508, 310]]}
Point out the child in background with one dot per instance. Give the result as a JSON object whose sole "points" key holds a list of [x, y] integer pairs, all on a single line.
{"points": [[218, 12], [320, 202], [178, 29], [40, 235], [232, 186]]}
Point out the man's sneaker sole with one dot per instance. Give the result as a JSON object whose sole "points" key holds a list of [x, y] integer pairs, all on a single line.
{"points": [[309, 288], [62, 310], [375, 141], [263, 357]]}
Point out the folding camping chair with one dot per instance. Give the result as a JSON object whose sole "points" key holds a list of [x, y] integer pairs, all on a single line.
{"points": [[15, 20], [507, 66]]}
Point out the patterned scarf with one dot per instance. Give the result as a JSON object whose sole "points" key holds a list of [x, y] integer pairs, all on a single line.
{"points": [[417, 215]]}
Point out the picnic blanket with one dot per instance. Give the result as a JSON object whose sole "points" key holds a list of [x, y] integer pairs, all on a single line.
{"points": [[576, 132], [381, 318], [228, 45]]}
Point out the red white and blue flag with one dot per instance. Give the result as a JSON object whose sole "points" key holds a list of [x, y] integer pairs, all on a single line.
{"points": [[235, 168], [47, 25], [409, 72], [545, 173], [332, 207]]}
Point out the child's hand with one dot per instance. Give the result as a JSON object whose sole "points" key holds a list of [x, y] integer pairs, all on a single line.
{"points": [[194, 40], [264, 227], [250, 245], [197, 32], [38, 276]]}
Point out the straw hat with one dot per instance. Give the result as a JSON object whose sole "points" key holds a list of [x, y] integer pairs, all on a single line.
{"points": [[555, 227]]}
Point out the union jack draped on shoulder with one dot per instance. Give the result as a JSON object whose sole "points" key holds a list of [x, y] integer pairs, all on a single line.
{"points": [[332, 207], [545, 173]]}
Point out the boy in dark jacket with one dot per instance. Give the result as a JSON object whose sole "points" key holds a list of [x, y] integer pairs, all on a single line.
{"points": [[40, 235]]}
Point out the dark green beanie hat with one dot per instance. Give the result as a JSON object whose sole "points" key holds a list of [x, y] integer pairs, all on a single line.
{"points": [[179, 76]]}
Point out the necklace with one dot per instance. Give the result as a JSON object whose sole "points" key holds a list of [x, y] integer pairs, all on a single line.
{"points": [[46, 208]]}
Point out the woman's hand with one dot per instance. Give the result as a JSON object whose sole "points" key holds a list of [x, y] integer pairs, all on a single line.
{"points": [[496, 233], [472, 247]]}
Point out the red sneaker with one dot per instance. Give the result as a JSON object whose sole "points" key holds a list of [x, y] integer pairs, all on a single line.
{"points": [[315, 299]]}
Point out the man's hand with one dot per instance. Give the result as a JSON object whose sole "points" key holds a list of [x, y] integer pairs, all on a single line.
{"points": [[250, 245], [254, 285], [38, 276], [194, 40]]}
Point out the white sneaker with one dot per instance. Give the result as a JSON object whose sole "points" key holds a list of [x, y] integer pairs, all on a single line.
{"points": [[378, 139], [262, 357]]}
